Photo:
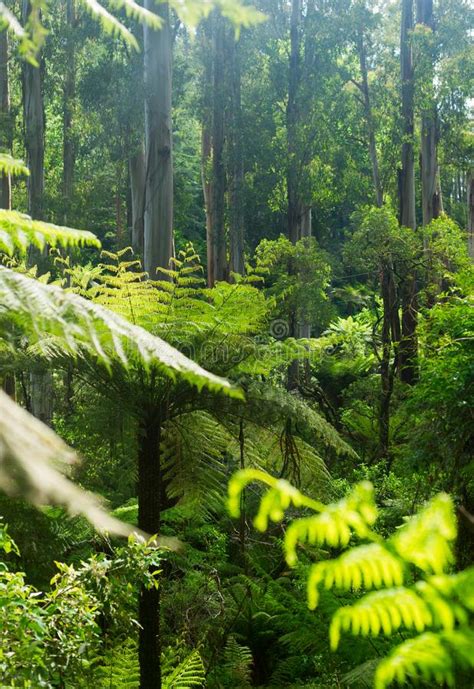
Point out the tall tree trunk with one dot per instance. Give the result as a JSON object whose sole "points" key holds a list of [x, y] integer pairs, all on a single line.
{"points": [[430, 186], [69, 94], [206, 145], [5, 122], [408, 348], [34, 130], [237, 264], [369, 119], [470, 214], [158, 226], [137, 173], [292, 181], [149, 520], [218, 167]]}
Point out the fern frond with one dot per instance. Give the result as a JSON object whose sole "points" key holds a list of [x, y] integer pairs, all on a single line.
{"points": [[430, 658], [12, 166], [28, 452], [371, 566], [110, 24], [189, 673], [19, 231], [426, 539], [335, 526], [90, 330]]}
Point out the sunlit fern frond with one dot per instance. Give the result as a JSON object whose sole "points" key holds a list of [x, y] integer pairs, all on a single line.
{"points": [[193, 449], [29, 453], [430, 658], [189, 673], [85, 329], [12, 166], [336, 525], [426, 539], [18, 232], [113, 26], [368, 566]]}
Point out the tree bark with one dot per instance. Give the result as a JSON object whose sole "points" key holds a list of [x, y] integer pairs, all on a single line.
{"points": [[218, 167], [69, 94], [206, 145], [237, 263], [149, 520], [408, 348], [369, 120], [5, 121], [158, 224], [137, 172], [430, 185], [470, 214], [292, 182]]}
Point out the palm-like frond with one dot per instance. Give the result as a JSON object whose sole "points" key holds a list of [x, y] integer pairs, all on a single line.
{"points": [[18, 231], [81, 328], [12, 166], [189, 673], [28, 451]]}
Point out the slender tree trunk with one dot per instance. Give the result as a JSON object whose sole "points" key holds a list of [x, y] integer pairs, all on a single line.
{"points": [[470, 214], [137, 172], [430, 186], [292, 182], [369, 121], [5, 122], [237, 264], [158, 225], [206, 145], [69, 94], [386, 373], [218, 167], [408, 348], [149, 520]]}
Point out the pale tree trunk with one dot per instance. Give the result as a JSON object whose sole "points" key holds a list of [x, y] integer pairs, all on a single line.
{"points": [[69, 94], [218, 167], [237, 263], [206, 146], [34, 131], [369, 119], [137, 172], [408, 348], [292, 182], [41, 382], [430, 185], [5, 121], [158, 226], [470, 214]]}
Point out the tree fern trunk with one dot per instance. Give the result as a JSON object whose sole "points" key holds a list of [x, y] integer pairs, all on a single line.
{"points": [[149, 520]]}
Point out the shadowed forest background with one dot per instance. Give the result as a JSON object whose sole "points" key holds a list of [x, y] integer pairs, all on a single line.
{"points": [[236, 404]]}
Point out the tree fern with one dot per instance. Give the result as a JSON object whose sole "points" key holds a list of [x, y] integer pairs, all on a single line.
{"points": [[437, 607], [12, 166]]}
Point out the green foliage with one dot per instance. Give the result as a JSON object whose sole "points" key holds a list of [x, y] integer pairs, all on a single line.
{"points": [[436, 601], [11, 166]]}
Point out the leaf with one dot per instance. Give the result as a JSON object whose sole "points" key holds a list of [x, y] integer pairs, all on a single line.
{"points": [[11, 166]]}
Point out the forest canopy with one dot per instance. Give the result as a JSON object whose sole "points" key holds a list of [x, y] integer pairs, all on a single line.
{"points": [[236, 344]]}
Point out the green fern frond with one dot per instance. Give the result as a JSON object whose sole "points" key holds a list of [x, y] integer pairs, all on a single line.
{"points": [[426, 539], [189, 673], [12, 166], [110, 24], [369, 566], [89, 330], [237, 662], [19, 231], [337, 523], [430, 658]]}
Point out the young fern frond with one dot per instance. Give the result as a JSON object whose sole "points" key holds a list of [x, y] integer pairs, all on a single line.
{"points": [[12, 166], [189, 673], [18, 232], [429, 658]]}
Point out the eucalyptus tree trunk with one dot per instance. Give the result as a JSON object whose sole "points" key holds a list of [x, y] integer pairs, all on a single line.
{"points": [[292, 120], [69, 94], [206, 144], [408, 348], [158, 223], [237, 263], [5, 121], [430, 186], [41, 382], [218, 168], [369, 119], [137, 172], [34, 129]]}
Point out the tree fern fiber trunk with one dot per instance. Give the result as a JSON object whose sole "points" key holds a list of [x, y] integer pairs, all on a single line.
{"points": [[149, 520]]}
